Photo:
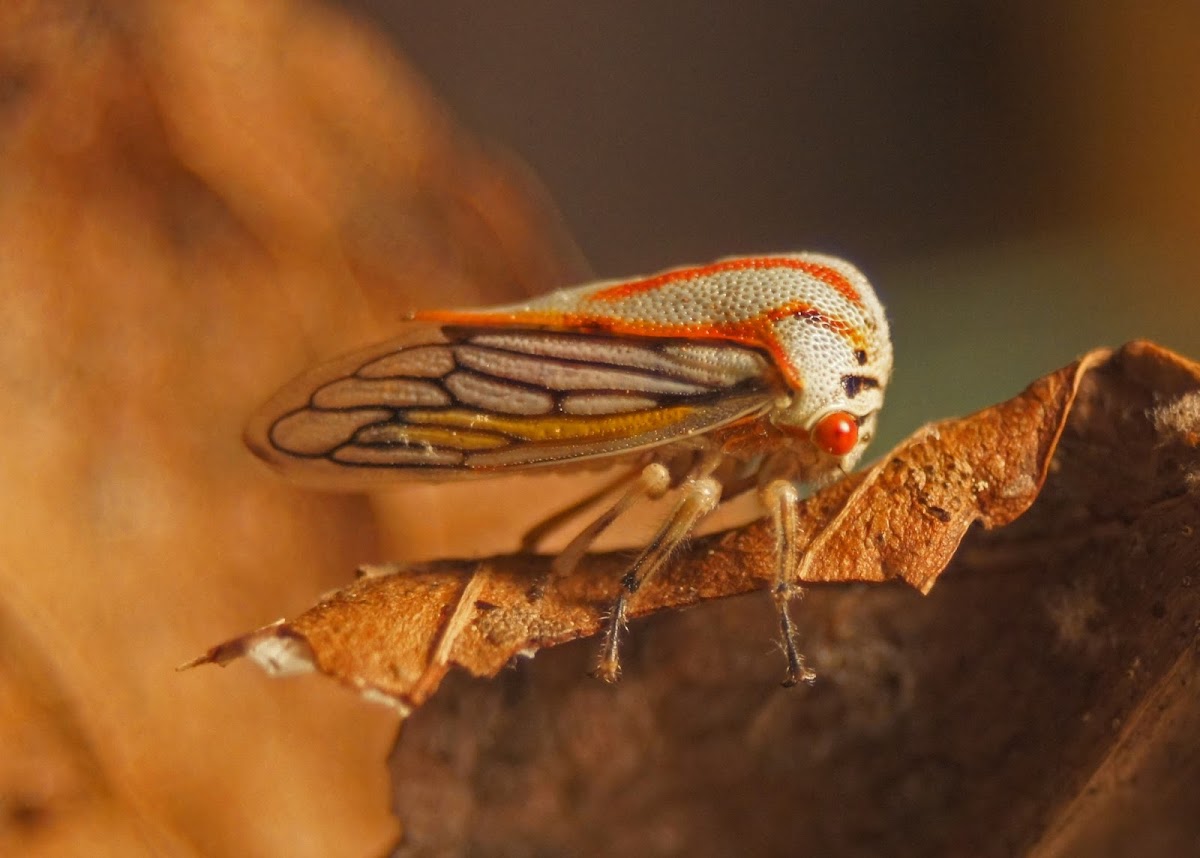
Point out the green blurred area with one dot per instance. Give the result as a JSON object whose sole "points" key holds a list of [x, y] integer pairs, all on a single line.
{"points": [[976, 326]]}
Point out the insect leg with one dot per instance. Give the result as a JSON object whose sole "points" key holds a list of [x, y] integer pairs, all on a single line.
{"points": [[700, 496], [547, 526], [652, 483], [781, 497]]}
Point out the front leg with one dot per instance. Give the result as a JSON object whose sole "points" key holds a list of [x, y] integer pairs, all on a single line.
{"points": [[781, 498]]}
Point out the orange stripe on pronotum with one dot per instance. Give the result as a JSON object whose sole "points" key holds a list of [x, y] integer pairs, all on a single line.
{"points": [[755, 372]]}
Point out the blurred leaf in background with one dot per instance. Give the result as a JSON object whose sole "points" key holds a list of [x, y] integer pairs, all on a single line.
{"points": [[195, 202]]}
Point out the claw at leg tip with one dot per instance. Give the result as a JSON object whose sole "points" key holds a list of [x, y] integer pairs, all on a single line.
{"points": [[608, 671], [798, 674]]}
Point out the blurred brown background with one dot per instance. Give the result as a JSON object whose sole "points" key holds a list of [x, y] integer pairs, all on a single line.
{"points": [[1020, 180], [198, 200]]}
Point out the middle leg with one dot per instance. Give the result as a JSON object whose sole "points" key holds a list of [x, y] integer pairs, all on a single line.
{"points": [[700, 496]]}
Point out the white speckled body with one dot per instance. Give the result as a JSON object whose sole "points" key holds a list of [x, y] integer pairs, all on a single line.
{"points": [[815, 315]]}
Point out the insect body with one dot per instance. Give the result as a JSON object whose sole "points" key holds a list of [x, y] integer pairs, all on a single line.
{"points": [[755, 372]]}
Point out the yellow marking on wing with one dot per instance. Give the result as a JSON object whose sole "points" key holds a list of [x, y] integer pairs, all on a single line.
{"points": [[556, 427], [436, 436]]}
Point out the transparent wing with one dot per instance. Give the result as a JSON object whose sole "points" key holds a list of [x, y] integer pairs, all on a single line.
{"points": [[457, 401]]}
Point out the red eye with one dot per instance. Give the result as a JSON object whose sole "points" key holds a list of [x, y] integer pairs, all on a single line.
{"points": [[836, 433]]}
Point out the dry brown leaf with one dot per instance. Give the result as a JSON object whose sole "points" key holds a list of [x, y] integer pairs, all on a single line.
{"points": [[1041, 700], [394, 635]]}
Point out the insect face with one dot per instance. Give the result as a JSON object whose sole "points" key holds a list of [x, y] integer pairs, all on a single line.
{"points": [[840, 355]]}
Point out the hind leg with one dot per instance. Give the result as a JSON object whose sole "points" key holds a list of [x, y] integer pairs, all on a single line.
{"points": [[534, 536], [652, 483]]}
